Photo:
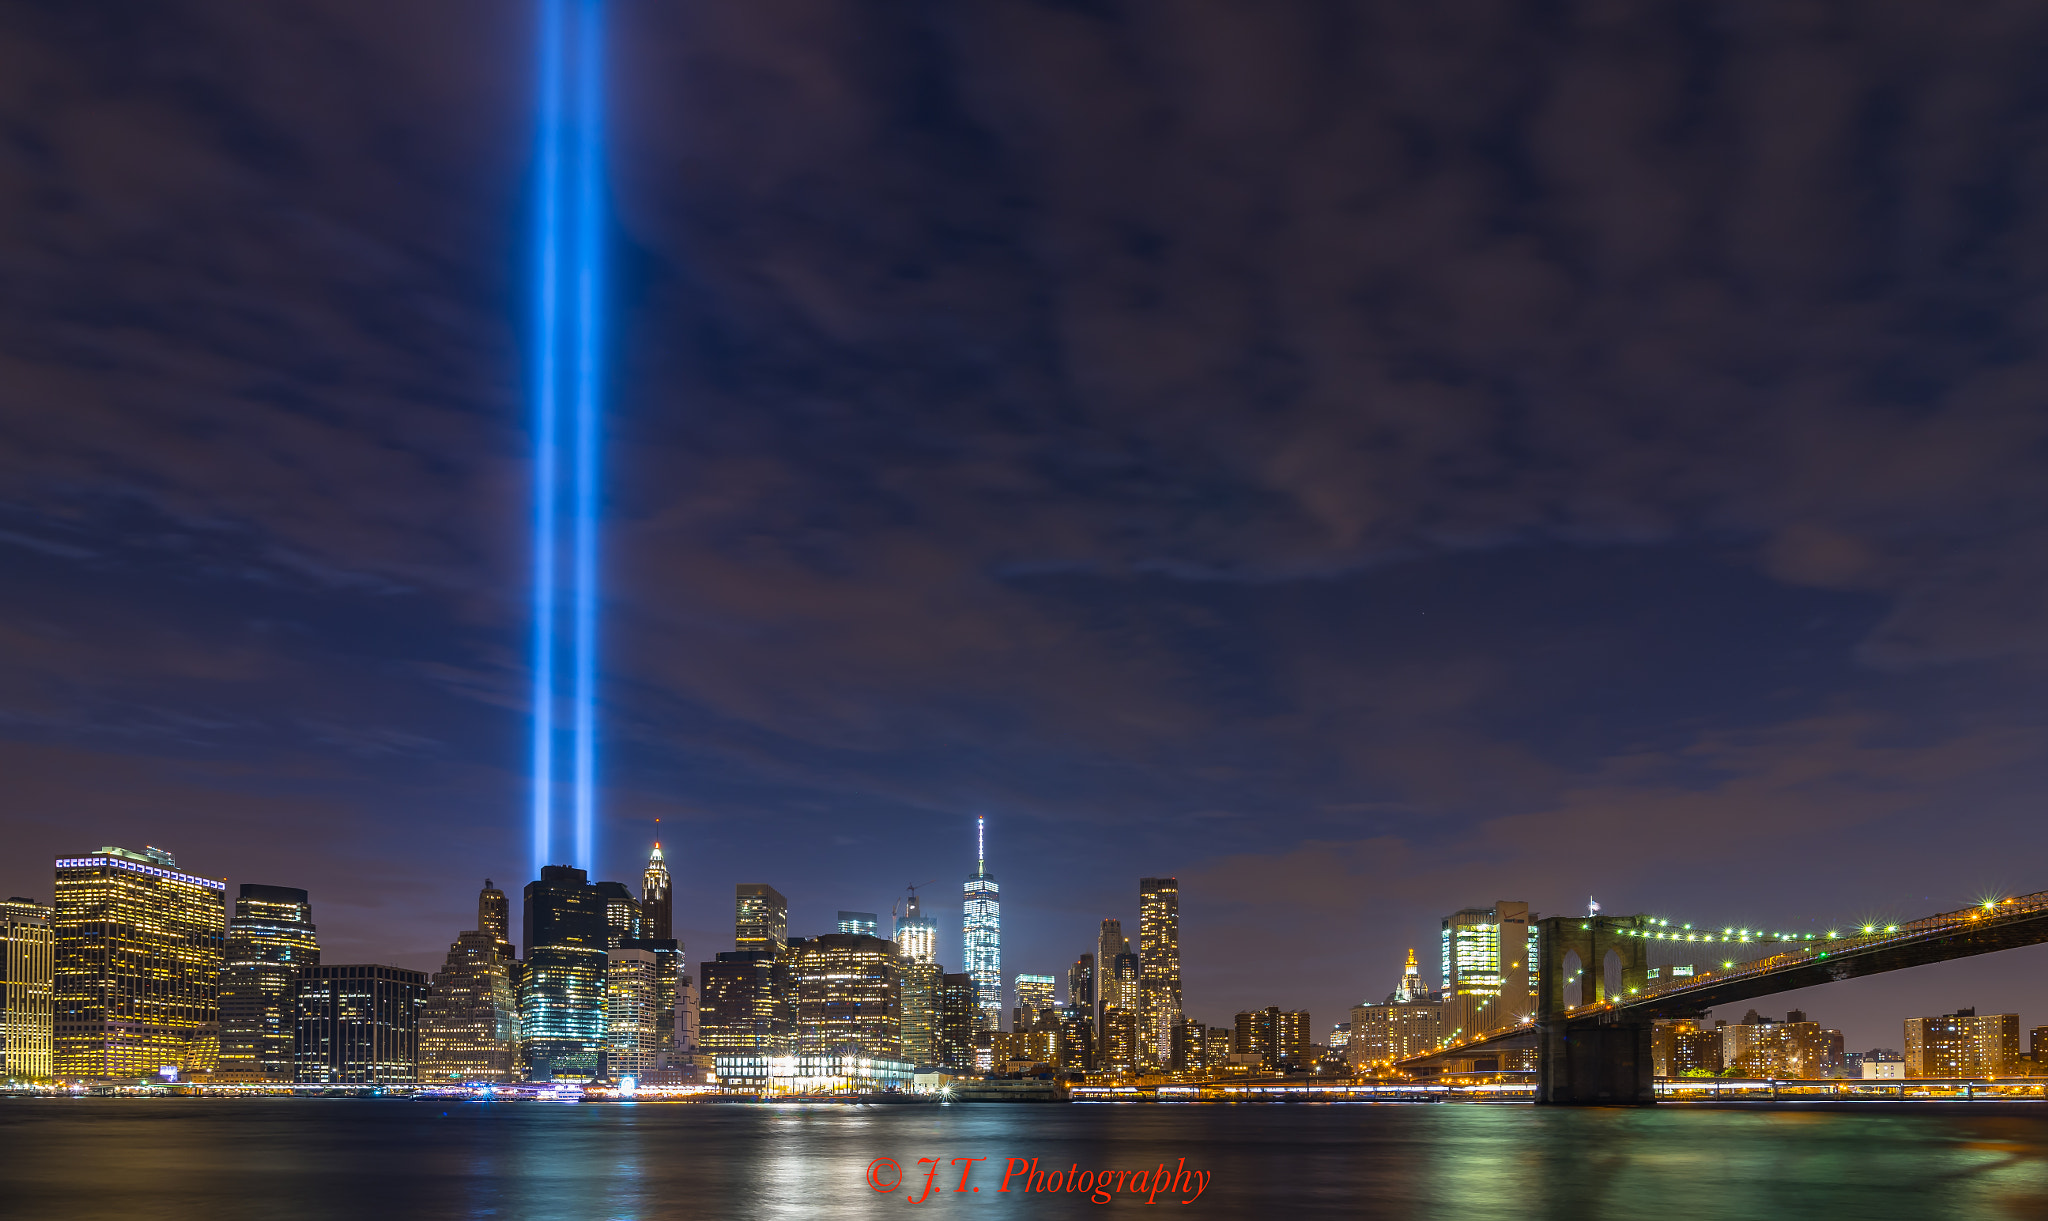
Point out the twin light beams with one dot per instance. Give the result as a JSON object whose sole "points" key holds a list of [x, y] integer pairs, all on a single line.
{"points": [[567, 372]]}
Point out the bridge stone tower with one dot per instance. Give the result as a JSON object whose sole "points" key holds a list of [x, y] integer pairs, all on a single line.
{"points": [[1593, 1055]]}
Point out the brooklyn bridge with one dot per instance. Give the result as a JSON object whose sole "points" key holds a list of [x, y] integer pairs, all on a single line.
{"points": [[1598, 997]]}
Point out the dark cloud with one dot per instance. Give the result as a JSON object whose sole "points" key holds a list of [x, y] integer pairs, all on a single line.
{"points": [[1370, 459]]}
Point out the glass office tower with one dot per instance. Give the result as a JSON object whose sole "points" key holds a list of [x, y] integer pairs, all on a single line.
{"points": [[357, 1025], [271, 939], [139, 951], [562, 1028], [760, 919], [982, 905]]}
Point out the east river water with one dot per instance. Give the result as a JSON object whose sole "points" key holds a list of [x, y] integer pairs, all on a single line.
{"points": [[312, 1159]]}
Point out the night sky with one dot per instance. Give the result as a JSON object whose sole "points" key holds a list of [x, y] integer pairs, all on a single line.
{"points": [[1366, 459]]}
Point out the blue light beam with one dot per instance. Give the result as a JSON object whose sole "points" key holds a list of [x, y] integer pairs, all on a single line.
{"points": [[569, 219], [589, 385]]}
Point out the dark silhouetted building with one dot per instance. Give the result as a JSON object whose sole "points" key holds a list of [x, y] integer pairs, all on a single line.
{"points": [[357, 1025], [1081, 985], [271, 939], [958, 1013]]}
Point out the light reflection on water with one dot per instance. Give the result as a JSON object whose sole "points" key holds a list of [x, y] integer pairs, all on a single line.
{"points": [[312, 1159]]}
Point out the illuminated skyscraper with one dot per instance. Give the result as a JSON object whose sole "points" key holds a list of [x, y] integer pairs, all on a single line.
{"points": [[1035, 992], [470, 1028], [1159, 967], [1118, 1050], [357, 1025], [920, 1011], [621, 913], [760, 918], [669, 974], [983, 932], [1487, 954], [139, 949], [657, 900], [270, 940], [744, 1004], [859, 924], [562, 1026], [632, 1002], [848, 990], [493, 916], [28, 966], [917, 935], [917, 943]]}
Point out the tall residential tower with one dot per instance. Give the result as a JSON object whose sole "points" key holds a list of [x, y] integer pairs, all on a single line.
{"points": [[1159, 967]]}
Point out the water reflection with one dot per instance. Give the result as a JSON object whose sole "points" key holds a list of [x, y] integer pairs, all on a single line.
{"points": [[311, 1159]]}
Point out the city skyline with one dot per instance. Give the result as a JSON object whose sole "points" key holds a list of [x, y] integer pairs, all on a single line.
{"points": [[1497, 483], [491, 914]]}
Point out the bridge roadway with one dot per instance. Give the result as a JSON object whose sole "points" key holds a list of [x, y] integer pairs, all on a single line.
{"points": [[2001, 925]]}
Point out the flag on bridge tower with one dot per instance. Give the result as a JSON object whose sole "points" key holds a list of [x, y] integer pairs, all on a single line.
{"points": [[1592, 906]]}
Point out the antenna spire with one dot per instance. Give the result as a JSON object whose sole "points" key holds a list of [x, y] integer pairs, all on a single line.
{"points": [[980, 846]]}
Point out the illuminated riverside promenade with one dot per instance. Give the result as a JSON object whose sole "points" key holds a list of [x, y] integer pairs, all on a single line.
{"points": [[1707, 1091], [1703, 1090]]}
